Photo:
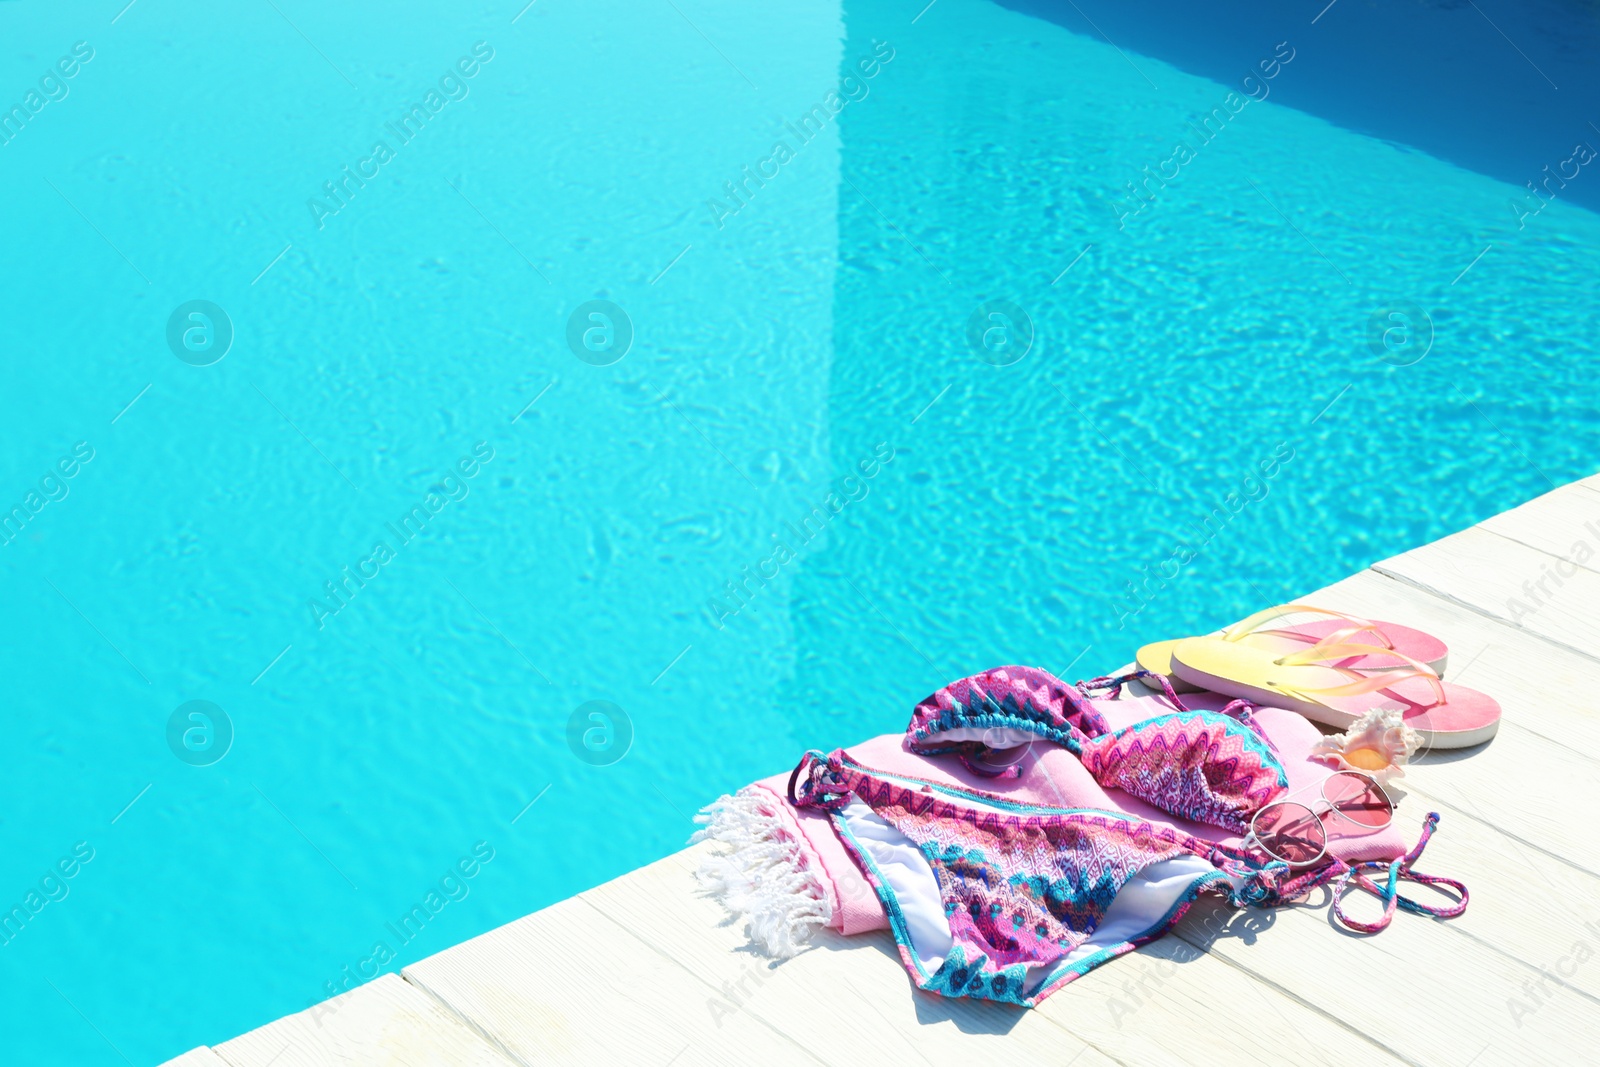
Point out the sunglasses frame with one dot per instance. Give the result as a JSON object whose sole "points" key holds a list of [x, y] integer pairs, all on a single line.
{"points": [[1253, 840]]}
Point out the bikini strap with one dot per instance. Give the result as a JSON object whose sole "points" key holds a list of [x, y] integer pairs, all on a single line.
{"points": [[813, 774], [1112, 685], [1398, 871], [1243, 711], [1275, 883], [1240, 711], [1272, 884]]}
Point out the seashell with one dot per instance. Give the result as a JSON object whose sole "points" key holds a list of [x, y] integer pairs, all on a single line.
{"points": [[1379, 744]]}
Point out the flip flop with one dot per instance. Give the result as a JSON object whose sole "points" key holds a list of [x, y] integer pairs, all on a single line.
{"points": [[1319, 683], [1334, 628], [1156, 658]]}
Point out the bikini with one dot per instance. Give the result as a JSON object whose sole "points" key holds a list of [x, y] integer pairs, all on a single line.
{"points": [[992, 898]]}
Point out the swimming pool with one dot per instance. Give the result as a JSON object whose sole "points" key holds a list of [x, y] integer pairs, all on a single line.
{"points": [[452, 446]]}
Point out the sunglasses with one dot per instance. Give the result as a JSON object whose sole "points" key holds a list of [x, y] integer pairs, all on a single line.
{"points": [[1296, 833]]}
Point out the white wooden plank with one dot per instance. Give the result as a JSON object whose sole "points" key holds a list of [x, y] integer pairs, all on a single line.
{"points": [[385, 1023], [1172, 1001], [1564, 523], [197, 1057], [566, 985], [1501, 579], [1431, 995], [1534, 790], [1525, 903], [845, 992]]}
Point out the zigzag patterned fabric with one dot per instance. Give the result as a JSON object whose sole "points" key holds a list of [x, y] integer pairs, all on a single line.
{"points": [[1020, 891], [1197, 765], [1206, 766], [1029, 699], [1025, 890]]}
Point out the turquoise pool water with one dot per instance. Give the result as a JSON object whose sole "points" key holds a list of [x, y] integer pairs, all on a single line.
{"points": [[1026, 346]]}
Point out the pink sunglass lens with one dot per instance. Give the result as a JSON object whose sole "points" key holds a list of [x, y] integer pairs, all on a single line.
{"points": [[1290, 832], [1358, 798]]}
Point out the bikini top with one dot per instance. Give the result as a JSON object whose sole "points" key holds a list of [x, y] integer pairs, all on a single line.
{"points": [[1213, 767]]}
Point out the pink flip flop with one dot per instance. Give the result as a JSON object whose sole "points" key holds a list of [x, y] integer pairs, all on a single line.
{"points": [[1338, 683], [1340, 628]]}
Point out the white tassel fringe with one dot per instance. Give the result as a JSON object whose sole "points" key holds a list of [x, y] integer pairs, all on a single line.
{"points": [[763, 875]]}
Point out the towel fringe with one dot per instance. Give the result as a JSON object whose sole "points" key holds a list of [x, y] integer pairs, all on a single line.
{"points": [[763, 875]]}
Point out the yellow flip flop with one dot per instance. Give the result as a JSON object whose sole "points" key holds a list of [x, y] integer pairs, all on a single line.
{"points": [[1156, 658], [1338, 683], [1295, 632]]}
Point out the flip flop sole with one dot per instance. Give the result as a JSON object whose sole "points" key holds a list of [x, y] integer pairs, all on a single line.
{"points": [[1156, 658]]}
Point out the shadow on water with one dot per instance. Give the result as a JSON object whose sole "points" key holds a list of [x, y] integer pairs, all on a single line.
{"points": [[1501, 87]]}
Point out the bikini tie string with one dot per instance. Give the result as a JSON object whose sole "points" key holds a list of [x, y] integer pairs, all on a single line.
{"points": [[813, 774], [1161, 682], [1398, 871], [1242, 711], [1263, 889], [1271, 885], [1112, 684]]}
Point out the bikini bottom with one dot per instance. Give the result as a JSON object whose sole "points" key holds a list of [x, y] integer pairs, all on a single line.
{"points": [[1000, 900]]}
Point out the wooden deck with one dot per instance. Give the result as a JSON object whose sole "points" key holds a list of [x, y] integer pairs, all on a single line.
{"points": [[1516, 980]]}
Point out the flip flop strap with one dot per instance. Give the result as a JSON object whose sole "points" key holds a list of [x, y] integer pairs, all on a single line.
{"points": [[1245, 627], [1343, 636], [1362, 683]]}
